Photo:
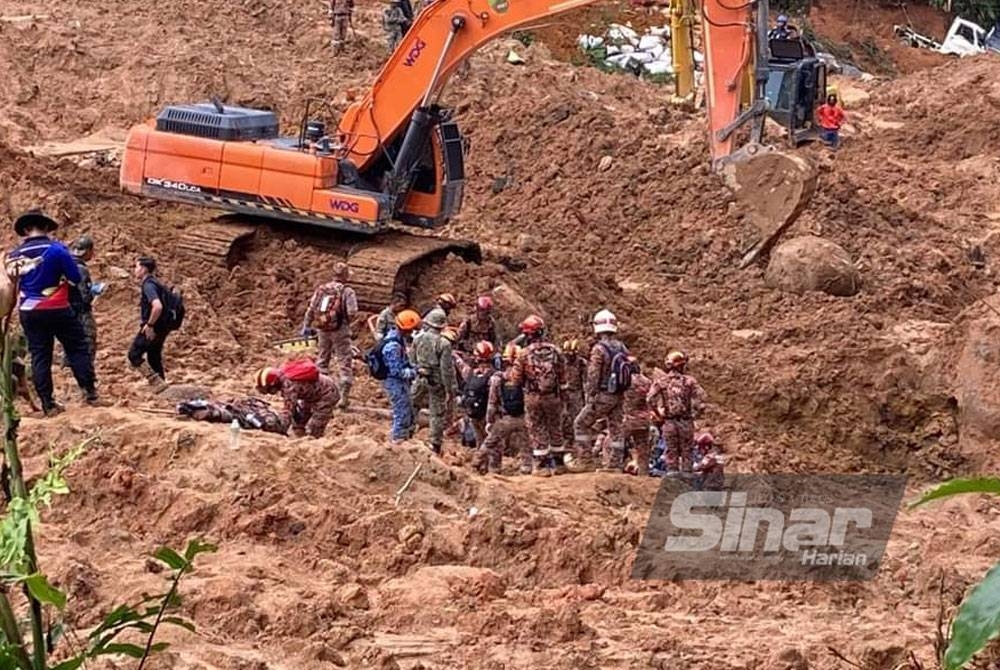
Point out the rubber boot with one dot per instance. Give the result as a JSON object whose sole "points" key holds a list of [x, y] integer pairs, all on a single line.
{"points": [[153, 379], [614, 459], [559, 463], [540, 464], [583, 459], [345, 396]]}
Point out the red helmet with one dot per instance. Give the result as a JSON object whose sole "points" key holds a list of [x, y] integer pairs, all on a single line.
{"points": [[267, 379], [533, 325], [484, 303], [483, 351], [704, 440]]}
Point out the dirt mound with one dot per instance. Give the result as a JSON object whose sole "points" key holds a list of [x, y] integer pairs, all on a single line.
{"points": [[812, 264]]}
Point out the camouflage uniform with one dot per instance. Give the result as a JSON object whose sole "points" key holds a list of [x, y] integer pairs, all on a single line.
{"points": [[335, 342], [600, 404], [395, 24], [505, 431], [432, 357], [340, 19], [309, 405], [463, 371], [385, 322], [638, 419], [709, 468], [542, 408], [477, 329], [576, 379], [251, 413], [677, 399]]}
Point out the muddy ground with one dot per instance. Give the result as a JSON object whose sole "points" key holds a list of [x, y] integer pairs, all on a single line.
{"points": [[318, 568]]}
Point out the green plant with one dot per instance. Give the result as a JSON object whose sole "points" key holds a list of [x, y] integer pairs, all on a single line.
{"points": [[984, 12], [977, 620], [19, 569]]}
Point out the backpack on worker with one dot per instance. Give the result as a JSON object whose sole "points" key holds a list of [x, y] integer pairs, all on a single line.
{"points": [[543, 368], [329, 314], [476, 395], [623, 367], [512, 400], [375, 358], [174, 311], [300, 370]]}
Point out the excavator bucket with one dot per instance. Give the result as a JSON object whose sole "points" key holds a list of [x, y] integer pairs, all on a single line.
{"points": [[772, 188]]}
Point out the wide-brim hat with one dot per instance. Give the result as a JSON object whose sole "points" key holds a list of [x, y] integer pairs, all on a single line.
{"points": [[34, 218]]}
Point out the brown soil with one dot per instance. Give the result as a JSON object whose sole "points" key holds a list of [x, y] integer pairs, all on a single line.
{"points": [[317, 567]]}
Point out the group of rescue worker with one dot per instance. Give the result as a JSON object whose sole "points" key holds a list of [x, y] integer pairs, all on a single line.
{"points": [[397, 18], [55, 303]]}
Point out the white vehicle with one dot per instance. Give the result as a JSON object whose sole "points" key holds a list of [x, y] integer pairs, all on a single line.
{"points": [[964, 38]]}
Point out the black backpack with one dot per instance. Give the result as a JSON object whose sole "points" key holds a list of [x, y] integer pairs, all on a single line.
{"points": [[476, 395], [173, 308], [375, 358], [512, 399]]}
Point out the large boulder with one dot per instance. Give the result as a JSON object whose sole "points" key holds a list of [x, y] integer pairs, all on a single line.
{"points": [[812, 263]]}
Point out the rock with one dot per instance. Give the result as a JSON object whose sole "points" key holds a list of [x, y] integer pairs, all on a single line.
{"points": [[353, 595], [434, 587], [787, 659], [747, 334], [605, 163], [812, 264], [119, 273]]}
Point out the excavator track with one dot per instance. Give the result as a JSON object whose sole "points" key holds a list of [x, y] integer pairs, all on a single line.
{"points": [[380, 265], [219, 240], [390, 262]]}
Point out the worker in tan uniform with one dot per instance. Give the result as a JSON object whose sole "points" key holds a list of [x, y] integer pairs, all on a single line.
{"points": [[341, 12], [332, 307], [602, 402], [309, 395], [539, 370], [677, 399], [504, 420]]}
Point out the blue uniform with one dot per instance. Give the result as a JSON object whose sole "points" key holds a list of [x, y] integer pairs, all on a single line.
{"points": [[397, 385]]}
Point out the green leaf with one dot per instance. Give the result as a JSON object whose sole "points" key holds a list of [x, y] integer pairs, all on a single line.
{"points": [[178, 621], [976, 622], [71, 664], [44, 592], [196, 547], [174, 560], [956, 487], [158, 647], [133, 650]]}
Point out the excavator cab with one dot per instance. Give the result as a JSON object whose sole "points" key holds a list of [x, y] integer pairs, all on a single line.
{"points": [[796, 84]]}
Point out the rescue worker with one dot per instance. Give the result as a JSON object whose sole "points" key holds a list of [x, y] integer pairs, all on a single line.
{"points": [[475, 387], [331, 309], [394, 23], [576, 378], [637, 421], [387, 317], [47, 272], [82, 297], [308, 404], [504, 420], [708, 463], [251, 413], [146, 352], [540, 371], [445, 302], [677, 399], [601, 402], [479, 327], [400, 374], [830, 117], [783, 31], [340, 19], [431, 356]]}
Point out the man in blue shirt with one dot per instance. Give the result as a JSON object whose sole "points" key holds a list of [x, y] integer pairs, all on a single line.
{"points": [[46, 270]]}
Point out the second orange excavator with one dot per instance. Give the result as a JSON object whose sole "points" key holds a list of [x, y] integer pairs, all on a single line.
{"points": [[398, 157]]}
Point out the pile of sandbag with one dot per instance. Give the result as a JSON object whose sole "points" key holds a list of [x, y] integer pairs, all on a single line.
{"points": [[623, 48]]}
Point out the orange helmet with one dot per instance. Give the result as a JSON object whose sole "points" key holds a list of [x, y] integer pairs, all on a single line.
{"points": [[407, 320], [267, 378], [483, 351], [447, 300], [450, 334], [511, 352], [676, 359], [533, 325]]}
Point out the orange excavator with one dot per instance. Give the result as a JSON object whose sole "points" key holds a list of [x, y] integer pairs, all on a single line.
{"points": [[396, 159]]}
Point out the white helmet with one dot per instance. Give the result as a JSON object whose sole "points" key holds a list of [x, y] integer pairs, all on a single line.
{"points": [[605, 322]]}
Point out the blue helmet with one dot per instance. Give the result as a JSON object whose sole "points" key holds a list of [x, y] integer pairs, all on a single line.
{"points": [[782, 19]]}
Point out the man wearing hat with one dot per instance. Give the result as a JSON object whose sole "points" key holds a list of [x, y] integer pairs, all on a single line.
{"points": [[47, 273]]}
